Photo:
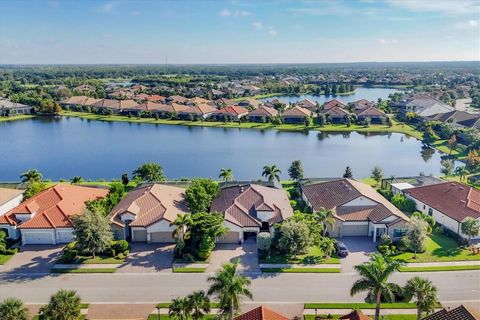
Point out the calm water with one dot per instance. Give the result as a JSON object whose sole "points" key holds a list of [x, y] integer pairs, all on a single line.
{"points": [[68, 147], [371, 94]]}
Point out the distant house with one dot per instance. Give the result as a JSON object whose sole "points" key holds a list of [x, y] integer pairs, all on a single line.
{"points": [[449, 203], [196, 101], [459, 313], [137, 109], [225, 102], [400, 184], [9, 108], [362, 104], [46, 217], [250, 209], [261, 313], [107, 104], [375, 115], [201, 111], [336, 114], [252, 90], [358, 209], [9, 199], [333, 103], [141, 97], [156, 98], [168, 110], [217, 93], [423, 106], [460, 118], [296, 115], [307, 104], [262, 114], [231, 113], [176, 99], [145, 214], [249, 102]]}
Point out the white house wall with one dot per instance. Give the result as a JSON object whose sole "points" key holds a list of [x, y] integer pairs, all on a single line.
{"points": [[160, 226], [9, 205]]}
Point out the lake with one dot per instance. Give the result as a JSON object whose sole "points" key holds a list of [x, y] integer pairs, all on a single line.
{"points": [[67, 147], [371, 94]]}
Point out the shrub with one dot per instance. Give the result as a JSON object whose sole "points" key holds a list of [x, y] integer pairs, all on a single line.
{"points": [[11, 251], [120, 256], [264, 242], [69, 256], [385, 240], [206, 247], [385, 249], [121, 246], [293, 203], [403, 244]]}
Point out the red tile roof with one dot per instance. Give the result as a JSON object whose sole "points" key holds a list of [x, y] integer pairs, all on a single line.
{"points": [[335, 111], [261, 313], [53, 207], [459, 313], [155, 98], [200, 109], [333, 103], [297, 111], [233, 110], [355, 315], [263, 111], [453, 199]]}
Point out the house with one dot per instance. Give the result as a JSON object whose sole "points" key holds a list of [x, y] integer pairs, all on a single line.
{"points": [[250, 209], [46, 217], [423, 105], [333, 103], [262, 114], [217, 93], [462, 119], [141, 97], [196, 101], [126, 104], [358, 209], [400, 184], [168, 110], [362, 104], [145, 214], [225, 102], [9, 108], [9, 199], [250, 102], [375, 115], [449, 203], [335, 114], [202, 111], [107, 104], [252, 90], [296, 115], [261, 313], [355, 315], [155, 98], [307, 104], [176, 99], [458, 313], [137, 109], [231, 113]]}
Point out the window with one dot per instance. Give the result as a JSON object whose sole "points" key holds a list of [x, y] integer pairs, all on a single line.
{"points": [[397, 233], [430, 211]]}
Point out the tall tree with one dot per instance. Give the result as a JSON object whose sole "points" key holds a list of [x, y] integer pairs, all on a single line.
{"points": [[452, 143], [471, 228], [76, 180], [226, 175], [229, 288], [424, 293], [271, 173], [92, 232], [200, 193], [417, 235], [461, 172], [348, 173], [296, 170], [377, 174], [149, 172], [13, 309], [179, 309], [182, 232], [199, 305], [32, 175], [447, 167], [374, 277], [63, 305], [325, 218]]}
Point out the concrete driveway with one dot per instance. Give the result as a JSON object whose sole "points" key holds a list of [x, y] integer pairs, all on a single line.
{"points": [[247, 253], [360, 249], [144, 258], [33, 259]]}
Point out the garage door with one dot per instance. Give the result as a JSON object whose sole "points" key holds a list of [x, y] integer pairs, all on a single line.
{"points": [[161, 237], [65, 236], [354, 230], [139, 235], [230, 237], [37, 238]]}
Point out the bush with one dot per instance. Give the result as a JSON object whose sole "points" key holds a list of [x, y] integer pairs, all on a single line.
{"points": [[387, 194], [385, 240], [121, 246], [11, 251], [69, 256], [188, 257], [206, 247], [403, 244], [120, 256], [385, 249], [293, 203], [264, 242]]}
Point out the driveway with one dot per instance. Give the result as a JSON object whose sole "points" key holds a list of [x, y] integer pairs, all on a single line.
{"points": [[33, 259], [360, 249], [247, 253], [144, 258]]}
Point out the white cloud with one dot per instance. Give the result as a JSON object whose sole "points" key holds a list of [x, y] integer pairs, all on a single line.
{"points": [[387, 41], [108, 7], [273, 33], [225, 13], [470, 24], [440, 6], [257, 25], [135, 13]]}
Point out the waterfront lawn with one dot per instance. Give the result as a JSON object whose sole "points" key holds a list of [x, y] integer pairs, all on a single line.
{"points": [[313, 256], [439, 248], [20, 117]]}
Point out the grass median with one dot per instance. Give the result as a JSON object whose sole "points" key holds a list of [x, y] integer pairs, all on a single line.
{"points": [[188, 270], [360, 305], [301, 270], [439, 268]]}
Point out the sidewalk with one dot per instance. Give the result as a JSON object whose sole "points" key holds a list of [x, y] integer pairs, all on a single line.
{"points": [[365, 311], [299, 266], [443, 264], [86, 266]]}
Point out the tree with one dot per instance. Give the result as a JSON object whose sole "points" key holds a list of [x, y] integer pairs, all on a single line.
{"points": [[13, 309], [374, 280], [76, 179], [226, 175], [205, 230], [327, 245], [63, 305], [198, 304], [325, 219], [149, 172], [229, 288], [429, 136], [294, 237], [348, 173], [33, 188], [447, 167], [461, 172], [470, 227], [424, 293], [417, 235], [125, 179], [271, 173], [32, 175], [116, 192], [200, 193], [377, 174], [296, 170], [264, 242], [179, 309], [92, 231], [452, 143], [181, 233]]}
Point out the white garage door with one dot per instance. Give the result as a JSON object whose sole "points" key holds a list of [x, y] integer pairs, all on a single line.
{"points": [[140, 235], [65, 236], [161, 237], [230, 237], [354, 230], [37, 237]]}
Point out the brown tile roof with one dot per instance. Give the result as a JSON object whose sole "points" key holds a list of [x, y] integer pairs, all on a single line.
{"points": [[297, 111], [332, 195], [146, 106], [7, 194], [263, 111], [200, 109], [307, 104], [453, 199], [53, 207], [459, 313], [177, 99], [107, 103], [150, 204], [155, 98], [75, 100], [370, 112], [261, 313], [233, 110], [199, 100], [363, 104], [125, 104], [335, 112], [355, 315], [239, 204], [333, 103]]}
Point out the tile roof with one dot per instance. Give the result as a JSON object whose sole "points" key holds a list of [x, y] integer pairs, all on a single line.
{"points": [[335, 111], [363, 104], [233, 110], [453, 199], [370, 112], [155, 98], [53, 207], [297, 111], [150, 204], [333, 103], [125, 104], [332, 195], [459, 313], [240, 204], [460, 117], [355, 315], [263, 111], [177, 99], [261, 313], [200, 109], [75, 100], [146, 106], [307, 104], [7, 194]]}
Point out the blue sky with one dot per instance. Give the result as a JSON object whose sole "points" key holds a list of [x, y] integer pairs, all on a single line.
{"points": [[122, 31]]}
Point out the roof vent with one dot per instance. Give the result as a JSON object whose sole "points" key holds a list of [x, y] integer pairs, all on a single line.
{"points": [[242, 188]]}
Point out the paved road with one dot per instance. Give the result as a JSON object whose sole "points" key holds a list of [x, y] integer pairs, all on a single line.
{"points": [[150, 288]]}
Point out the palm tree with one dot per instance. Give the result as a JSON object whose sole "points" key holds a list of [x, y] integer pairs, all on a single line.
{"points": [[226, 175], [199, 304], [179, 309], [31, 175], [181, 233], [470, 227], [13, 309], [374, 279], [325, 218], [271, 173], [63, 305], [229, 288], [425, 294], [76, 179], [461, 172]]}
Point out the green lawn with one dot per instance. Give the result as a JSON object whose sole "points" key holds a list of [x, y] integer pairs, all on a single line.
{"points": [[313, 256], [166, 317], [301, 270], [166, 305], [360, 305], [439, 248], [85, 270], [443, 268], [5, 257], [96, 260], [383, 317], [20, 117], [188, 270]]}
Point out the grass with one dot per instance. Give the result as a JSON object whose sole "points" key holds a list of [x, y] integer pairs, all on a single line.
{"points": [[5, 257], [313, 256], [301, 270], [360, 305], [384, 317], [166, 317], [96, 260], [20, 117], [458, 151], [439, 248], [441, 268], [258, 96], [166, 305], [188, 270], [85, 270]]}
